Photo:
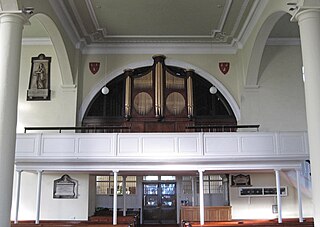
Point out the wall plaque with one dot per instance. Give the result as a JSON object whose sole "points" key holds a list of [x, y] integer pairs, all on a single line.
{"points": [[65, 188], [240, 180], [39, 83]]}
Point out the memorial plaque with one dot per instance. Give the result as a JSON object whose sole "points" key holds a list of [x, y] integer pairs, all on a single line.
{"points": [[39, 83], [65, 188], [240, 180]]}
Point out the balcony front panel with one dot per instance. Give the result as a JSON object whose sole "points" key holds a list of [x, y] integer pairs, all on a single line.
{"points": [[85, 147]]}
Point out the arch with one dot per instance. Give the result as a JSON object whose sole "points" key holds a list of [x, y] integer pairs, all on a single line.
{"points": [[173, 62], [60, 49], [252, 78]]}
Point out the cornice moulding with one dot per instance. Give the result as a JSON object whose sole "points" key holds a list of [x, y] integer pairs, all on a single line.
{"points": [[250, 23], [36, 41], [67, 23], [283, 42], [167, 48]]}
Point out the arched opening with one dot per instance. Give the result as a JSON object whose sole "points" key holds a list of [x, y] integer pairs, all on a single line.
{"points": [[54, 34], [159, 98], [257, 50]]}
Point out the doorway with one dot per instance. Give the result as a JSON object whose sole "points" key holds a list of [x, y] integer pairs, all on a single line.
{"points": [[159, 203]]}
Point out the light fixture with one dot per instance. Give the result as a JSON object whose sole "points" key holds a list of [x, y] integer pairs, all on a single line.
{"points": [[105, 90], [213, 90]]}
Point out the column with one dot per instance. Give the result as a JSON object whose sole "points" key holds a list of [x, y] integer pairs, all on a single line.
{"points": [[193, 201], [309, 20], [11, 26], [18, 184], [115, 199], [299, 196], [201, 197], [279, 204], [38, 196], [124, 193]]}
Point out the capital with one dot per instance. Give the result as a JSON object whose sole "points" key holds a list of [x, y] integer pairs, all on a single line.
{"points": [[13, 17]]}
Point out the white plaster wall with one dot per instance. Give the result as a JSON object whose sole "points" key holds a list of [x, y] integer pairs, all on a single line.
{"points": [[60, 110], [279, 103], [261, 207], [51, 209]]}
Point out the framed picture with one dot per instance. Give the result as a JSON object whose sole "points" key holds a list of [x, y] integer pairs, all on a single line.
{"points": [[39, 82]]}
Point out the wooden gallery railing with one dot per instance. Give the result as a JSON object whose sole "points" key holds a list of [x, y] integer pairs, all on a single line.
{"points": [[119, 129], [80, 129], [220, 128]]}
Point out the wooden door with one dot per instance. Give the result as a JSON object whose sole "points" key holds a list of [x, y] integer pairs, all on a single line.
{"points": [[159, 203]]}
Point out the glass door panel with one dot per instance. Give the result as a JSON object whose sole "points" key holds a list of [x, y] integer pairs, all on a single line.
{"points": [[159, 203], [168, 203]]}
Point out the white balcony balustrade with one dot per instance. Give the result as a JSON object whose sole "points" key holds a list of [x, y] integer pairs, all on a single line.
{"points": [[176, 149]]}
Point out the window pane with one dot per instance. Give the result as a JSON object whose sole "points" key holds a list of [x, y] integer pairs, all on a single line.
{"points": [[168, 189], [101, 188], [168, 177], [102, 178], [186, 187], [206, 189], [150, 189], [131, 188], [150, 178], [186, 178], [216, 187], [131, 178], [215, 177]]}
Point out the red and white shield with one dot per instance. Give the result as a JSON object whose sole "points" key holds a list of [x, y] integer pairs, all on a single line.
{"points": [[94, 67], [224, 67]]}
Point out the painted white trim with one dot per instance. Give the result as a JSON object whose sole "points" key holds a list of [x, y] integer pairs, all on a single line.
{"points": [[163, 48], [258, 47], [94, 18], [241, 12], [251, 87], [59, 46], [223, 18], [59, 8], [232, 102], [78, 18], [46, 41], [252, 19], [283, 42]]}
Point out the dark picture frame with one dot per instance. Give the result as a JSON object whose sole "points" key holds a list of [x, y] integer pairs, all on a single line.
{"points": [[39, 82]]}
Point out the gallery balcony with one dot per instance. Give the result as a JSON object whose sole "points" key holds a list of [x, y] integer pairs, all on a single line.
{"points": [[160, 151]]}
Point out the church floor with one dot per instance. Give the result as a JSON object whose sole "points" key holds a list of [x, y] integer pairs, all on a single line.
{"points": [[234, 223]]}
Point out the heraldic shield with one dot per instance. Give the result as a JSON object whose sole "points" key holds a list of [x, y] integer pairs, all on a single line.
{"points": [[224, 67], [94, 67]]}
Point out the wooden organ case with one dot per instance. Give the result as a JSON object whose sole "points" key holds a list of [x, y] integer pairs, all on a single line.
{"points": [[158, 98]]}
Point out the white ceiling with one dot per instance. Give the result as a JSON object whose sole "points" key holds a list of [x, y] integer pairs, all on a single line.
{"points": [[216, 22]]}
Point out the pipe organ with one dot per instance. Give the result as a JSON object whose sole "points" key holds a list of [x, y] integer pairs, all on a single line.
{"points": [[158, 98]]}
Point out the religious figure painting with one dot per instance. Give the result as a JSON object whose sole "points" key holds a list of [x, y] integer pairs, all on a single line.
{"points": [[39, 83]]}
